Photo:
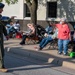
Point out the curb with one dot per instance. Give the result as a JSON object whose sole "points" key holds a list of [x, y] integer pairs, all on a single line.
{"points": [[42, 56]]}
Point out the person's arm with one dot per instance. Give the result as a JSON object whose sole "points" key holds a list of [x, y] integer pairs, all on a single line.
{"points": [[46, 29], [70, 38], [69, 31], [5, 32], [74, 36], [33, 32]]}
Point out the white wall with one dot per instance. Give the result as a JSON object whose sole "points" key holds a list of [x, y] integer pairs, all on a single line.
{"points": [[42, 10], [14, 10], [65, 8]]}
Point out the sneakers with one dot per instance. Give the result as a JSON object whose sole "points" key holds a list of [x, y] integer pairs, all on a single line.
{"points": [[38, 48], [59, 53], [65, 54], [3, 70]]}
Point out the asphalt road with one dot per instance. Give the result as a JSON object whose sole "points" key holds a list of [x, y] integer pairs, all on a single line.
{"points": [[19, 65]]}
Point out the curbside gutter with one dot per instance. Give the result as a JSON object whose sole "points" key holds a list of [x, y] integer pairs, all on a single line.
{"points": [[42, 56]]}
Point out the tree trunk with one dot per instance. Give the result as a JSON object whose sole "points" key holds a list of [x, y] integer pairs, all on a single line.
{"points": [[33, 12]]}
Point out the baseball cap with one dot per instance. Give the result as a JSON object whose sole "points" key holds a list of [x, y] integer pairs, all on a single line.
{"points": [[2, 5]]}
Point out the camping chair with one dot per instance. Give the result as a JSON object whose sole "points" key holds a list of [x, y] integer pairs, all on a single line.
{"points": [[53, 44], [32, 39], [39, 34]]}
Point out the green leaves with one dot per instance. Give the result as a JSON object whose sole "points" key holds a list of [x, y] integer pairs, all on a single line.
{"points": [[27, 0], [1, 0], [10, 1], [7, 1]]}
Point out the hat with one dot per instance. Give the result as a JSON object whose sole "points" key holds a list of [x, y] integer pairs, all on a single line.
{"points": [[63, 19], [2, 5]]}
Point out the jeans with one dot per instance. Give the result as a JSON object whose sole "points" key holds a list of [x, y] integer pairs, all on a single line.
{"points": [[45, 41], [63, 45]]}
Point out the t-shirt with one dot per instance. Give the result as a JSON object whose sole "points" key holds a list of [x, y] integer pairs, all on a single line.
{"points": [[63, 31], [17, 26]]}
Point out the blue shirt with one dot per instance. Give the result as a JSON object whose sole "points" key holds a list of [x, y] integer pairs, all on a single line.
{"points": [[49, 29]]}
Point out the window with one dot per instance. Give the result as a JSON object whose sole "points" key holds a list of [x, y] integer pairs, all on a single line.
{"points": [[52, 9], [26, 11]]}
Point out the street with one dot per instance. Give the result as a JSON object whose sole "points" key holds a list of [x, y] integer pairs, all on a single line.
{"points": [[19, 65]]}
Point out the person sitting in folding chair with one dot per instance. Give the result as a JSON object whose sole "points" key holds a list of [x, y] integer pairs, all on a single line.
{"points": [[29, 33], [47, 39], [49, 28]]}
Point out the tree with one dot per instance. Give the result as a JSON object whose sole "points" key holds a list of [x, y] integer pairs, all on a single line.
{"points": [[10, 1], [32, 5]]}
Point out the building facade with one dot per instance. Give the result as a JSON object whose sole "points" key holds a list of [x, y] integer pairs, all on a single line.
{"points": [[48, 10]]}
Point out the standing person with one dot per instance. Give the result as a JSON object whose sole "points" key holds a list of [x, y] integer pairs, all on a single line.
{"points": [[2, 31], [63, 36]]}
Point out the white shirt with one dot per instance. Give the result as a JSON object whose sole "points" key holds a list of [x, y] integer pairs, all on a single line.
{"points": [[17, 26]]}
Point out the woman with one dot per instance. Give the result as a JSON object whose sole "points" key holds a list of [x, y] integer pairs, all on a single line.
{"points": [[63, 36], [29, 33]]}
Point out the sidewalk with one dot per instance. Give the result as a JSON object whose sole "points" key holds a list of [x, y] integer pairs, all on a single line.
{"points": [[49, 56]]}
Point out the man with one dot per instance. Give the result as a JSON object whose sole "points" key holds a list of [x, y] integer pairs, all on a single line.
{"points": [[48, 38], [49, 28], [2, 31]]}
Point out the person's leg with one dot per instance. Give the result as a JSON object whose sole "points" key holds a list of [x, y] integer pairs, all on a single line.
{"points": [[46, 41], [2, 67], [1, 60], [60, 45], [23, 39], [65, 46], [41, 43], [1, 55]]}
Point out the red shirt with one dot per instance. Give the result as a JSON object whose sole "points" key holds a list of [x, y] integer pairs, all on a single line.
{"points": [[63, 31]]}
